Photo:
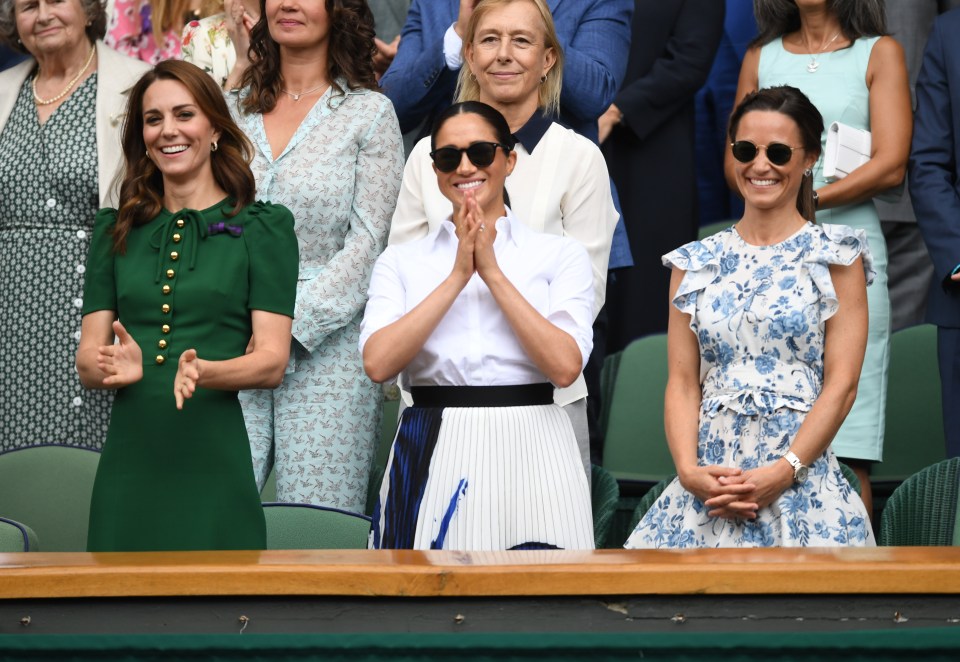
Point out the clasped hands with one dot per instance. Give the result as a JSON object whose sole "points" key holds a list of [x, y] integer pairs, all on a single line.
{"points": [[122, 363], [475, 251], [731, 493]]}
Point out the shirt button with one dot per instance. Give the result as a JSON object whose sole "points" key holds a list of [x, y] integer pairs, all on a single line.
{"points": [[174, 255], [165, 328], [165, 289], [162, 344], [51, 203], [81, 268], [78, 303], [76, 335], [160, 359], [77, 401], [179, 222], [171, 273], [81, 234], [176, 237], [165, 308]]}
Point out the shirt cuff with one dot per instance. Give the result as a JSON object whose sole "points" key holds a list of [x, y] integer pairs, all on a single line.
{"points": [[452, 45]]}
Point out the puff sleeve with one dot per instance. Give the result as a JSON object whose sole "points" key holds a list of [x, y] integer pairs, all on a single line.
{"points": [[99, 284], [274, 259]]}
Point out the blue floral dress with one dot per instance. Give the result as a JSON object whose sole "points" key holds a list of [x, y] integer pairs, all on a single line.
{"points": [[759, 314]]}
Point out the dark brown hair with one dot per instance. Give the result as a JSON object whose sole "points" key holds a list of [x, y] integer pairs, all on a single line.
{"points": [[794, 104], [141, 190], [349, 56], [858, 18]]}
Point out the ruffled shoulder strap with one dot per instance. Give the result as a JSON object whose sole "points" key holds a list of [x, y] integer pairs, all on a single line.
{"points": [[701, 262], [836, 244]]}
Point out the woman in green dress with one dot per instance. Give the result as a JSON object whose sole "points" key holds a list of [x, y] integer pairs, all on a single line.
{"points": [[189, 294]]}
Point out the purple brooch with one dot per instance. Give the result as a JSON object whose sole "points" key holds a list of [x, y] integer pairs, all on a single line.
{"points": [[217, 228]]}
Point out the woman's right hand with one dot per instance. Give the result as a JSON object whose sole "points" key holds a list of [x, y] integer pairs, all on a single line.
{"points": [[239, 23], [722, 497], [468, 227], [122, 362]]}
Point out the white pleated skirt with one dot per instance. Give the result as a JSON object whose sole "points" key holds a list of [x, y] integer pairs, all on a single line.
{"points": [[484, 478]]}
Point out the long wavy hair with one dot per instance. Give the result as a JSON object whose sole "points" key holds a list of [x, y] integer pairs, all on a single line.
{"points": [[468, 89], [349, 56], [141, 189], [858, 18], [794, 104]]}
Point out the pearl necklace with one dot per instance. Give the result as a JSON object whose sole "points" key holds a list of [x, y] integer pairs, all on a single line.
{"points": [[814, 64], [296, 97], [46, 102]]}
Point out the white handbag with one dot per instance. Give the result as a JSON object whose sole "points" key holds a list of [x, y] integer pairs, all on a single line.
{"points": [[848, 148]]}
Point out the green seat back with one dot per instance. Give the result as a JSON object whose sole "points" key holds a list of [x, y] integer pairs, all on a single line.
{"points": [[269, 492], [647, 501], [914, 436], [17, 537], [48, 488], [302, 526], [923, 509], [635, 445], [713, 228], [604, 498]]}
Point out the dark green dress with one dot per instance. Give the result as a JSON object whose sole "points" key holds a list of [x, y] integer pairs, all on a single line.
{"points": [[181, 480]]}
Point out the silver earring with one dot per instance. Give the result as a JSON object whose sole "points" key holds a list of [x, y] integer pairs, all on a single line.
{"points": [[808, 173], [214, 146]]}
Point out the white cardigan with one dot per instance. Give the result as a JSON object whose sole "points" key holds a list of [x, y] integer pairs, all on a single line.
{"points": [[117, 74]]}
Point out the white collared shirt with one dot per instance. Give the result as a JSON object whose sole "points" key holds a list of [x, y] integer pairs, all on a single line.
{"points": [[474, 344]]}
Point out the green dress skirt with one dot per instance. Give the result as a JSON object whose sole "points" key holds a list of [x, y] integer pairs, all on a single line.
{"points": [[183, 480]]}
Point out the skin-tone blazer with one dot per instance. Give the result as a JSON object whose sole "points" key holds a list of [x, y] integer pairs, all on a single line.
{"points": [[118, 73]]}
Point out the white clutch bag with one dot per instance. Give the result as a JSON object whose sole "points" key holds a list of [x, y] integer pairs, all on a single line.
{"points": [[848, 148]]}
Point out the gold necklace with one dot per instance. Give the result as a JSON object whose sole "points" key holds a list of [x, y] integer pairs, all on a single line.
{"points": [[814, 63], [46, 102], [296, 97]]}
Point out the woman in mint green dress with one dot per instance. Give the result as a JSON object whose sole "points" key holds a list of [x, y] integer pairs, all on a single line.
{"points": [[180, 279], [834, 52]]}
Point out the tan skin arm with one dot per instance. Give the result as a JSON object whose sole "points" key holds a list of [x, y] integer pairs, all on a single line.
{"points": [[891, 126], [845, 342], [681, 412]]}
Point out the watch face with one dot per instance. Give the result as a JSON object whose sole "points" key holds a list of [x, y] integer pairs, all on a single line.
{"points": [[800, 475]]}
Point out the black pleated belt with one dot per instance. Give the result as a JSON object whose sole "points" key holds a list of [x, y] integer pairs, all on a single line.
{"points": [[523, 395]]}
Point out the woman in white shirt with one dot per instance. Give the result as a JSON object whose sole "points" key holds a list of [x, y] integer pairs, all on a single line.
{"points": [[513, 61], [483, 317]]}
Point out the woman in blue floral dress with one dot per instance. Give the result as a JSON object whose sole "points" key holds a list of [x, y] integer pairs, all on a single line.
{"points": [[766, 341]]}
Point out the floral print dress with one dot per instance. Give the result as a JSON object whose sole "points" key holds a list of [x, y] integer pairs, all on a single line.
{"points": [[130, 31], [759, 314]]}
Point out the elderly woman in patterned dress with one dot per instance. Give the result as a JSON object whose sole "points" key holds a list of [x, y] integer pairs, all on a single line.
{"points": [[59, 155], [328, 147]]}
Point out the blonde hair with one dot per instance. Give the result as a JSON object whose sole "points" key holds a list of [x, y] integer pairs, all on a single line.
{"points": [[549, 93], [167, 15]]}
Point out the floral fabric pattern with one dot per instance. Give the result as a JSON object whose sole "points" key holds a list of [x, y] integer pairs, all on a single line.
{"points": [[758, 313], [206, 43], [340, 176], [130, 31]]}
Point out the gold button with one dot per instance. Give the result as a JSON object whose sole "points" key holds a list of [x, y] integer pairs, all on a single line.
{"points": [[179, 222], [174, 255], [176, 237], [171, 273], [162, 344], [165, 308], [160, 359], [165, 289], [165, 328]]}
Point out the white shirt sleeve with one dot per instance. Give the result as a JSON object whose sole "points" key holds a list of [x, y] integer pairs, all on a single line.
{"points": [[452, 45], [385, 296]]}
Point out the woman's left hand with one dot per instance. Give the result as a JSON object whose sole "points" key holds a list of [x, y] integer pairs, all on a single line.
{"points": [[771, 481], [188, 374], [484, 258]]}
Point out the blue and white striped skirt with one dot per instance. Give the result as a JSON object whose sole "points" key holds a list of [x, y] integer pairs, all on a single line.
{"points": [[484, 478]]}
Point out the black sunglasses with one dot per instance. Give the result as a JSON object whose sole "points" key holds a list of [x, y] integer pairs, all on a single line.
{"points": [[779, 154], [481, 154]]}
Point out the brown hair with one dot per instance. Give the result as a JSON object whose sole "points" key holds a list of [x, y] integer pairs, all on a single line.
{"points": [[141, 190], [350, 54]]}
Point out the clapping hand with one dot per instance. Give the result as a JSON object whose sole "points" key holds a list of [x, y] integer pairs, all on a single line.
{"points": [[239, 23], [122, 362], [188, 374]]}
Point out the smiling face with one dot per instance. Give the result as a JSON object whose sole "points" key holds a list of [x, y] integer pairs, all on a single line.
{"points": [[486, 183], [298, 23], [762, 184], [49, 26], [177, 134], [508, 55]]}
